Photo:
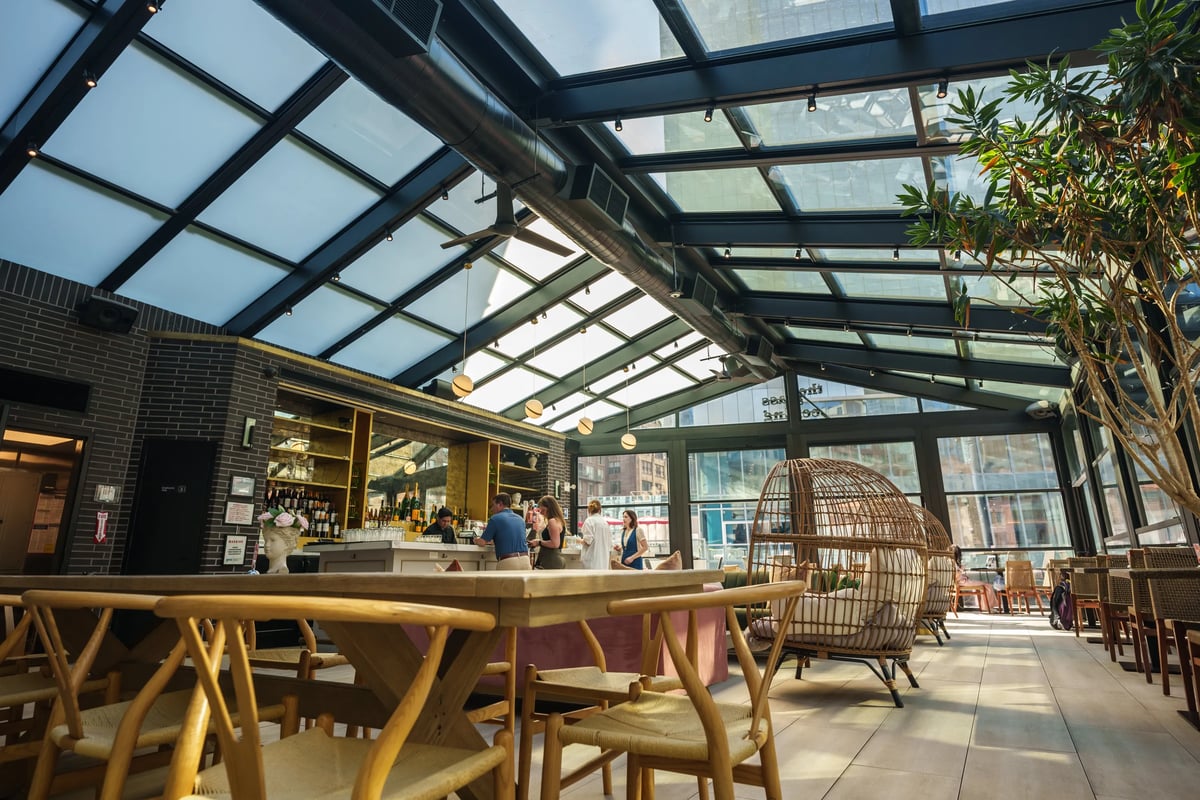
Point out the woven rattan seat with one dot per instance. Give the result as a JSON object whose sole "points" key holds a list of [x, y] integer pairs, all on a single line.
{"points": [[816, 518], [1085, 588], [1019, 585], [941, 577], [689, 733], [315, 764], [1175, 604]]}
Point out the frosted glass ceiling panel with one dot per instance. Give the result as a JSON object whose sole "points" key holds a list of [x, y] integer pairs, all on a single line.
{"points": [[195, 129], [290, 202], [354, 123], [914, 344], [240, 45], [1023, 390], [676, 133], [960, 175], [389, 269], [480, 364], [684, 342], [851, 185], [699, 364], [98, 230], [887, 112], [877, 256], [884, 287], [320, 320], [527, 336], [1021, 290], [1022, 353], [636, 317], [569, 355], [823, 335], [200, 276], [507, 389], [726, 26], [490, 289], [390, 348], [535, 262], [595, 411], [738, 189], [932, 7], [45, 29], [655, 385], [782, 280], [601, 291], [613, 384], [598, 34], [561, 409]]}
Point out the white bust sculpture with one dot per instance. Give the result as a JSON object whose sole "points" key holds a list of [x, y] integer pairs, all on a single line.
{"points": [[281, 530]]}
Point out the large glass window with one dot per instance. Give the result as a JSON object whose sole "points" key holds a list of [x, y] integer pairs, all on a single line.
{"points": [[762, 403], [896, 461], [724, 487], [634, 481], [1003, 494]]}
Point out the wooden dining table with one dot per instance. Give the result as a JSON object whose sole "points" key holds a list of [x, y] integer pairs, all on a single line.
{"points": [[385, 657]]}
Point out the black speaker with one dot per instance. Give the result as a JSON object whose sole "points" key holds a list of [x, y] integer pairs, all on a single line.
{"points": [[107, 315]]}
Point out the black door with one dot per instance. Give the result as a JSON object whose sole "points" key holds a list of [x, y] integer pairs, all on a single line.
{"points": [[170, 509]]}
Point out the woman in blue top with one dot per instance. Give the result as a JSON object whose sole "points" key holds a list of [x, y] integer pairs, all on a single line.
{"points": [[633, 543]]}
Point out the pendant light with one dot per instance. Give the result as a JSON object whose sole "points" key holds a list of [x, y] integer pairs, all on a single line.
{"points": [[628, 441], [462, 385], [533, 406], [585, 424]]}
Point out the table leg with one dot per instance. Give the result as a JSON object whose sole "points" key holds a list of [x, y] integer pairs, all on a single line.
{"points": [[1185, 668]]}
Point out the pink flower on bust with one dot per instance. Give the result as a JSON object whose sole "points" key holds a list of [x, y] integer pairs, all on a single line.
{"points": [[282, 518]]}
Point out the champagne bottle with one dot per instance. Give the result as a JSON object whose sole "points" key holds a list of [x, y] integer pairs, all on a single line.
{"points": [[414, 506]]}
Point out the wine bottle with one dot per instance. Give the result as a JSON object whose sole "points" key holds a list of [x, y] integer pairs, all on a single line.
{"points": [[414, 506]]}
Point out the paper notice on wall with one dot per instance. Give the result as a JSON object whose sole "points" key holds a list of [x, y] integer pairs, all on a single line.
{"points": [[42, 539]]}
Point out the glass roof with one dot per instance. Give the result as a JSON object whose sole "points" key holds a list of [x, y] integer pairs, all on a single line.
{"points": [[225, 168]]}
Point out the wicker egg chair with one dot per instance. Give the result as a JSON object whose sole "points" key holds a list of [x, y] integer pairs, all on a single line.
{"points": [[853, 535], [940, 574]]}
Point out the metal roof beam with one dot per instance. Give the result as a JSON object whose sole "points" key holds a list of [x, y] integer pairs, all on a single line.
{"points": [[782, 309], [912, 387], [868, 62], [777, 230], [823, 153], [950, 366]]}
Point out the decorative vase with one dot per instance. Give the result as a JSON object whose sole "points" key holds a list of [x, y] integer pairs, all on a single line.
{"points": [[533, 459]]}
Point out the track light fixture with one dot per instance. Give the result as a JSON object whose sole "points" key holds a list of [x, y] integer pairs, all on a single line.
{"points": [[933, 378], [871, 373], [543, 315], [617, 126], [587, 289], [388, 236], [32, 150], [812, 101], [533, 320], [153, 7], [909, 332], [943, 88], [708, 112], [822, 366], [287, 311], [445, 193], [895, 254], [337, 277], [90, 80], [728, 251], [799, 254]]}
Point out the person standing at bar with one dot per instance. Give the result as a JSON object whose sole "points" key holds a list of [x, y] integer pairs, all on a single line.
{"points": [[633, 543], [597, 538], [548, 527], [506, 531]]}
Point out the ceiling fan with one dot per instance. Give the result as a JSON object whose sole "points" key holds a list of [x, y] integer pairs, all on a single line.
{"points": [[506, 227]]}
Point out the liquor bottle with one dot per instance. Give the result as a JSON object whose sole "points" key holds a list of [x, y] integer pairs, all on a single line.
{"points": [[414, 506], [404, 503]]}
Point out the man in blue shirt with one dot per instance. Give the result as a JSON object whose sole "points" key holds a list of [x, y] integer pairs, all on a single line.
{"points": [[507, 531]]}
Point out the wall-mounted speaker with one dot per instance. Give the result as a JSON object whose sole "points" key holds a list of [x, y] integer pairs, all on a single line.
{"points": [[107, 315]]}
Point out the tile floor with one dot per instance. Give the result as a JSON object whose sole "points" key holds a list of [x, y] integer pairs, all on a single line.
{"points": [[1009, 708]]}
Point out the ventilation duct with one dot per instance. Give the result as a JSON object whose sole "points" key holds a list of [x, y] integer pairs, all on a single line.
{"points": [[758, 351], [588, 182], [442, 95], [400, 27]]}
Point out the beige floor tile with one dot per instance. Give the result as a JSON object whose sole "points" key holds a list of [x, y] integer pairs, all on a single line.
{"points": [[1131, 763], [1087, 707], [1002, 774], [863, 783]]}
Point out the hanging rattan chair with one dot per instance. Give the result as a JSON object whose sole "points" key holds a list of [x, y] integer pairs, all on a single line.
{"points": [[856, 539], [940, 575]]}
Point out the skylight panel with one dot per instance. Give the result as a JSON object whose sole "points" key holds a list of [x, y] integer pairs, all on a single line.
{"points": [[379, 350], [45, 28], [320, 321]]}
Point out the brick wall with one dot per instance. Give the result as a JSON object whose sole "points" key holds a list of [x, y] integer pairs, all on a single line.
{"points": [[175, 377]]}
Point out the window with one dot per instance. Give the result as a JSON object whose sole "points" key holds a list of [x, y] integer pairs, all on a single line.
{"points": [[724, 488], [762, 403], [1003, 494], [896, 461], [625, 486]]}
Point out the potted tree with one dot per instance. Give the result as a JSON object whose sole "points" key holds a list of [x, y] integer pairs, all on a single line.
{"points": [[1096, 198]]}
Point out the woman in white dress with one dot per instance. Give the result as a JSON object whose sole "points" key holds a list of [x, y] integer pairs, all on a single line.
{"points": [[597, 538]]}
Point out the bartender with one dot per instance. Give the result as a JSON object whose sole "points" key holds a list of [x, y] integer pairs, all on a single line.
{"points": [[442, 526]]}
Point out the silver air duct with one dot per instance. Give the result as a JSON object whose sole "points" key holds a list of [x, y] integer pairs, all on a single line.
{"points": [[442, 95]]}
